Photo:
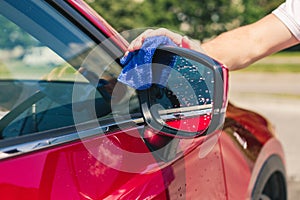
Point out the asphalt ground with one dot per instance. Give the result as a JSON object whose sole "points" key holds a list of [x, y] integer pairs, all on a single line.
{"points": [[277, 97]]}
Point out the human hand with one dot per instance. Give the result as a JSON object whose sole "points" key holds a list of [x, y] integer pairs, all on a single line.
{"points": [[179, 40]]}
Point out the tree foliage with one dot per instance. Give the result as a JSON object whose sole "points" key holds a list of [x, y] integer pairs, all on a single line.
{"points": [[196, 18]]}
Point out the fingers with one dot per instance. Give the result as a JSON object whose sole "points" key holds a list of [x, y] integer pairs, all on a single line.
{"points": [[185, 42], [179, 40], [192, 44], [175, 37], [138, 42]]}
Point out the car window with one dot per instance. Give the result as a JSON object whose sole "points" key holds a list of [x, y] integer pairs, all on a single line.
{"points": [[52, 75]]}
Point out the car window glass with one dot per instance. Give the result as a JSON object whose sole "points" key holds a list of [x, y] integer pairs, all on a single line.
{"points": [[50, 71]]}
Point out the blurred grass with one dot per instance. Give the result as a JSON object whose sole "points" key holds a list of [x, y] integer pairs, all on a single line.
{"points": [[288, 62], [270, 95], [16, 69]]}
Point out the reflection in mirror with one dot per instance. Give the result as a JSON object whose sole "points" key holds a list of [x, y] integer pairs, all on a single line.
{"points": [[185, 101]]}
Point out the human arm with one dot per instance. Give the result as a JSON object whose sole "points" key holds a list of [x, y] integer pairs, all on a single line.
{"points": [[243, 46]]}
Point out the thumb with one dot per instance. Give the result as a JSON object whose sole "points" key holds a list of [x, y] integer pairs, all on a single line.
{"points": [[192, 44]]}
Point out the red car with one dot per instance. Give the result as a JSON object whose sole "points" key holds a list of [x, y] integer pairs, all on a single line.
{"points": [[70, 130]]}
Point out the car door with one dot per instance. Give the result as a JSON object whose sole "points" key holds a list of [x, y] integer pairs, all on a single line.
{"points": [[69, 130]]}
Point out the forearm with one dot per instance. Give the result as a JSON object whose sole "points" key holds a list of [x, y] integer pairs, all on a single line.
{"points": [[245, 45]]}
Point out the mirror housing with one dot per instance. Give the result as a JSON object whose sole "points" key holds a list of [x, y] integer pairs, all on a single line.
{"points": [[188, 95]]}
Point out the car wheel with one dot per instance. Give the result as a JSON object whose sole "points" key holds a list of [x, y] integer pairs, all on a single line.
{"points": [[271, 182]]}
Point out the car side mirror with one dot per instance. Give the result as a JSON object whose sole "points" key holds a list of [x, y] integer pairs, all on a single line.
{"points": [[188, 96]]}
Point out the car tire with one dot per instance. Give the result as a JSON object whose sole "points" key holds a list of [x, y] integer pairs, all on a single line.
{"points": [[271, 182]]}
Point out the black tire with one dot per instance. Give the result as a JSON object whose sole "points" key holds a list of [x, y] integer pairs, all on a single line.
{"points": [[271, 182]]}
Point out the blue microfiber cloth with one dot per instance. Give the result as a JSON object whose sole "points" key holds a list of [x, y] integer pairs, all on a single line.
{"points": [[137, 71]]}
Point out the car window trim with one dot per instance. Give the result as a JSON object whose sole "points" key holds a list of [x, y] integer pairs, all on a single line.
{"points": [[28, 143]]}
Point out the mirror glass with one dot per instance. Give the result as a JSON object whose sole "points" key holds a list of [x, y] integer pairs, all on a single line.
{"points": [[184, 101]]}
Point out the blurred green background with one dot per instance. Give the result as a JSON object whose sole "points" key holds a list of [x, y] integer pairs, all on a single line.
{"points": [[198, 19]]}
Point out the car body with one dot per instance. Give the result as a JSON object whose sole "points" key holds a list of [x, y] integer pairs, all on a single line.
{"points": [[60, 139]]}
